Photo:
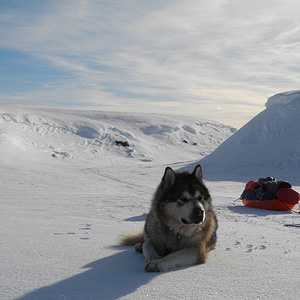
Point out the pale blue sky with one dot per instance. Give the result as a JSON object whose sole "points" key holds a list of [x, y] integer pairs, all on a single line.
{"points": [[219, 60]]}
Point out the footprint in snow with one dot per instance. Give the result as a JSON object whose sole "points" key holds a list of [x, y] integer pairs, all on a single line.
{"points": [[85, 227], [237, 243], [250, 248]]}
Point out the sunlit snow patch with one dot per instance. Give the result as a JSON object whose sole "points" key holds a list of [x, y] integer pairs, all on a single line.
{"points": [[87, 132]]}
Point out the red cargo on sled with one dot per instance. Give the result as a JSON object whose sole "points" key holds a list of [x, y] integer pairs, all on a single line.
{"points": [[284, 198]]}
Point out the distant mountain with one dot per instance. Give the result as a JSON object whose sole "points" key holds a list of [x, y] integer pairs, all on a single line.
{"points": [[51, 135], [268, 145]]}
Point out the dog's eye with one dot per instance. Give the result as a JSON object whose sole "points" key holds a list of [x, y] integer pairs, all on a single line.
{"points": [[200, 198], [182, 201]]}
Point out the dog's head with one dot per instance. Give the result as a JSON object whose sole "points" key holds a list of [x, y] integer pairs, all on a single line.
{"points": [[185, 199]]}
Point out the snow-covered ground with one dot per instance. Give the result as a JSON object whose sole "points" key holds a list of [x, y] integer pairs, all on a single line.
{"points": [[68, 193]]}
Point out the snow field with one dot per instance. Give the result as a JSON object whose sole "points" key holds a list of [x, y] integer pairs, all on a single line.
{"points": [[62, 216]]}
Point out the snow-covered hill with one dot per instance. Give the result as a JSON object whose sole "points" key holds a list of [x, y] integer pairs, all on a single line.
{"points": [[44, 134], [268, 145]]}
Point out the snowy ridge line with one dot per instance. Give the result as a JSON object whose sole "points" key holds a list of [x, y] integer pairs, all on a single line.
{"points": [[283, 98], [45, 134]]}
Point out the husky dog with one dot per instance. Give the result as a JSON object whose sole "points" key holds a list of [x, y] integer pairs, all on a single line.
{"points": [[181, 226]]}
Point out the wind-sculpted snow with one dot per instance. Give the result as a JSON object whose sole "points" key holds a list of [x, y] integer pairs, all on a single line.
{"points": [[159, 129], [87, 132], [283, 98], [268, 145], [75, 135]]}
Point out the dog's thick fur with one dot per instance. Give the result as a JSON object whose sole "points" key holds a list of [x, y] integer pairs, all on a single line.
{"points": [[181, 226]]}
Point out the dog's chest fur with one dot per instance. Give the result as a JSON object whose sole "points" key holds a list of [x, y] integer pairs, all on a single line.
{"points": [[166, 240]]}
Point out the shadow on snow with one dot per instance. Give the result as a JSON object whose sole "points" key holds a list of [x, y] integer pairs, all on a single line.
{"points": [[109, 278], [244, 210]]}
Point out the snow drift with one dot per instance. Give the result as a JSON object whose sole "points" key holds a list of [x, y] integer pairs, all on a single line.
{"points": [[268, 145], [72, 135]]}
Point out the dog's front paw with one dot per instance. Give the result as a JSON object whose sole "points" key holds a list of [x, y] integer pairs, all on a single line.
{"points": [[153, 266]]}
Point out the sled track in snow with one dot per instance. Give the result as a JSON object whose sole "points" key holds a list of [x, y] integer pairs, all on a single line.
{"points": [[113, 178]]}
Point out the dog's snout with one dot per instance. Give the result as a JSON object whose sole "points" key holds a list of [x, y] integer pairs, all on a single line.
{"points": [[198, 215], [199, 211]]}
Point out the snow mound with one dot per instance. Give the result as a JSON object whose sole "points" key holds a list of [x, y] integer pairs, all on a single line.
{"points": [[283, 98], [87, 132], [49, 134], [159, 129], [268, 145]]}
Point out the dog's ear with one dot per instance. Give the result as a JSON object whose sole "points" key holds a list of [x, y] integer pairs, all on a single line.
{"points": [[169, 178], [198, 173]]}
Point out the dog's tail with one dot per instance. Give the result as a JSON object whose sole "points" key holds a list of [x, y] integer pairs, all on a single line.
{"points": [[131, 239]]}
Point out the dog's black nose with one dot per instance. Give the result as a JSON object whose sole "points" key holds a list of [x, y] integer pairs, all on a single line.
{"points": [[198, 215], [199, 211]]}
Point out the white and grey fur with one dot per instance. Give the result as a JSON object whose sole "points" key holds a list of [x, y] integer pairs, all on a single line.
{"points": [[181, 226]]}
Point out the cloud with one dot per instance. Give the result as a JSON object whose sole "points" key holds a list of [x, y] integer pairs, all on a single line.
{"points": [[165, 56]]}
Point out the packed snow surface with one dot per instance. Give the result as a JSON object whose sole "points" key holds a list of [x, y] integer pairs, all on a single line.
{"points": [[68, 192], [268, 145]]}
